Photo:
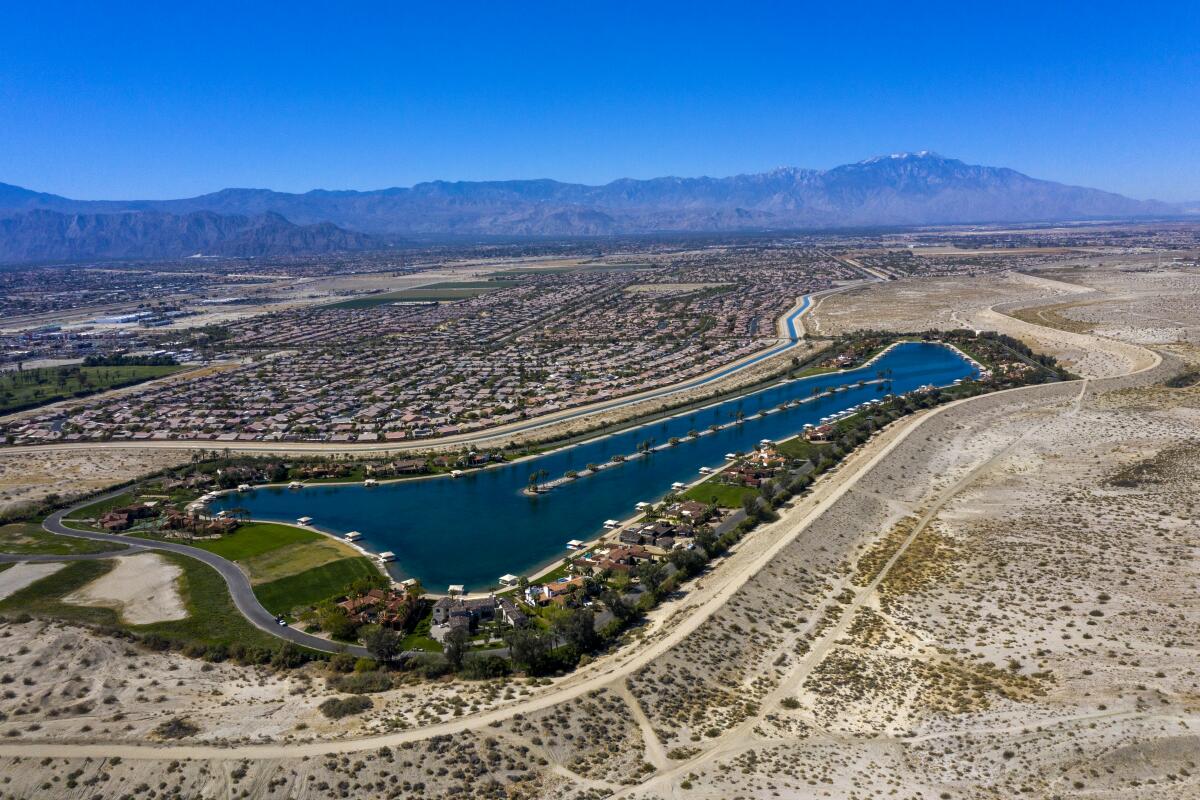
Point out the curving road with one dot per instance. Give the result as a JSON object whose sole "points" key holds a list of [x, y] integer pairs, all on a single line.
{"points": [[239, 585]]}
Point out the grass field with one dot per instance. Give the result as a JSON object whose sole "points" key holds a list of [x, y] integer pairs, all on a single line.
{"points": [[36, 387], [726, 496], [313, 585], [212, 617], [435, 292], [268, 552], [284, 561], [799, 447], [255, 538], [28, 539]]}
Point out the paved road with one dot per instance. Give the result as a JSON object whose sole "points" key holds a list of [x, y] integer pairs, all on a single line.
{"points": [[239, 585]]}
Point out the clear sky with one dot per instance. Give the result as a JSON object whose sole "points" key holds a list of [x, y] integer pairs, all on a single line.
{"points": [[154, 100]]}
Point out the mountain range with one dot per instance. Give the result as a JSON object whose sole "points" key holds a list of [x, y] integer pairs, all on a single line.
{"points": [[902, 189]]}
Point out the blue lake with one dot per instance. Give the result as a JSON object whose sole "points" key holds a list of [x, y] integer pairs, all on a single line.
{"points": [[474, 528]]}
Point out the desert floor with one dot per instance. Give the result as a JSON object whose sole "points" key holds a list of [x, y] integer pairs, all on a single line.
{"points": [[31, 475]]}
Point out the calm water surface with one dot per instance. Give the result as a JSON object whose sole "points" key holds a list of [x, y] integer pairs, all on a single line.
{"points": [[474, 528]]}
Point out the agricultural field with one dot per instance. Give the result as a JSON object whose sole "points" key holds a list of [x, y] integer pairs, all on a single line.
{"points": [[447, 292]]}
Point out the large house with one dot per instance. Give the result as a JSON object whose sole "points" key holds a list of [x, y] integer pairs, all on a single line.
{"points": [[557, 592], [378, 607]]}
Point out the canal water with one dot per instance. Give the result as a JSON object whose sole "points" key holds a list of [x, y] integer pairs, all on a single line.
{"points": [[474, 528]]}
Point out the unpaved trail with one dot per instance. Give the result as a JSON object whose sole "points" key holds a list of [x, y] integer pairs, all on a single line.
{"points": [[656, 754]]}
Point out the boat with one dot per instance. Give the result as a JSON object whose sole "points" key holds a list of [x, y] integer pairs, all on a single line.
{"points": [[370, 482], [454, 473], [304, 521], [705, 470], [611, 523], [642, 505], [387, 555], [574, 544], [508, 580], [244, 487], [295, 485], [678, 485], [352, 536]]}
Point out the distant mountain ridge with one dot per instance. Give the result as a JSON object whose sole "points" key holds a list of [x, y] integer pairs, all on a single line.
{"points": [[920, 188], [42, 235]]}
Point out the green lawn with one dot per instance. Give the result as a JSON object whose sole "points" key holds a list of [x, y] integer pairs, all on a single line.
{"points": [[35, 387], [420, 639], [801, 448], [436, 292], [726, 496], [284, 561], [268, 552], [96, 510], [255, 538], [212, 617], [26, 538], [313, 585], [810, 371]]}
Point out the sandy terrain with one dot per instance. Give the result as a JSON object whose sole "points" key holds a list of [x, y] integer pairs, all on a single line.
{"points": [[18, 576], [141, 588], [30, 475], [992, 600]]}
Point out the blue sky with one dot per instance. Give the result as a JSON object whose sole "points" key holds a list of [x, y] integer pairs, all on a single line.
{"points": [[125, 100]]}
